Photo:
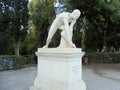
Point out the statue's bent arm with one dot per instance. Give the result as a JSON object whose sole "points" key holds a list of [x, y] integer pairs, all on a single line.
{"points": [[72, 24], [66, 24]]}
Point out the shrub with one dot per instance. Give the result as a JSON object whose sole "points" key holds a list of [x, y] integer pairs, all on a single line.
{"points": [[103, 57], [13, 62]]}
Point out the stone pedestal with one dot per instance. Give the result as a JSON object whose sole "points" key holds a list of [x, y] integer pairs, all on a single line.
{"points": [[59, 69]]}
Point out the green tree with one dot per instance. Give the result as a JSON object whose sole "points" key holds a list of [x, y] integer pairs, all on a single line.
{"points": [[4, 37], [28, 46], [41, 14], [15, 19], [101, 15]]}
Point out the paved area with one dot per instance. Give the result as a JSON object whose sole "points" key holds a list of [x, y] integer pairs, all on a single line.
{"points": [[96, 77], [102, 77]]}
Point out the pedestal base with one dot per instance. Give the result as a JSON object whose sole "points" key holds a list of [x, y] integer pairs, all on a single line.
{"points": [[59, 69], [76, 86]]}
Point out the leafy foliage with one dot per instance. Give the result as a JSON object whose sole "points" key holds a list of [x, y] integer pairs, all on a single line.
{"points": [[13, 62], [103, 57], [28, 46], [104, 17], [14, 19], [41, 14]]}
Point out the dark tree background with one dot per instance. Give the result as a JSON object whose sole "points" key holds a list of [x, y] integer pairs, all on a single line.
{"points": [[97, 29], [100, 21], [41, 14], [13, 22]]}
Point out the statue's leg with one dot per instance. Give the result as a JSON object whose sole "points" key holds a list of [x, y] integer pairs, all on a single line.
{"points": [[51, 33], [67, 39]]}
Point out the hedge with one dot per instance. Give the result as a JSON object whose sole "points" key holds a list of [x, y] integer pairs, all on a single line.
{"points": [[14, 62], [103, 57]]}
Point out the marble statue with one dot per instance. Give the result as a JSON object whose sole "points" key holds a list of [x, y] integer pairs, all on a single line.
{"points": [[60, 68], [64, 21]]}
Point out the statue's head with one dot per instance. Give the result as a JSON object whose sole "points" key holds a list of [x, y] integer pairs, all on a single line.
{"points": [[76, 13]]}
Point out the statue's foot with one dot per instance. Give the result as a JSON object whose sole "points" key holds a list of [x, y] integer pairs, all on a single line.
{"points": [[46, 46], [72, 46]]}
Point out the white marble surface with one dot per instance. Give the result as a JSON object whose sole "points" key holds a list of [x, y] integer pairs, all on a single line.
{"points": [[59, 69], [65, 22]]}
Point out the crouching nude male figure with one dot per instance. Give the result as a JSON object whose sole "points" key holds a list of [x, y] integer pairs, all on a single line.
{"points": [[64, 21]]}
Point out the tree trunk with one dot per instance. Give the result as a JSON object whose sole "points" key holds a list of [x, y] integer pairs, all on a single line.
{"points": [[105, 25], [17, 48], [83, 33], [104, 40], [83, 40]]}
